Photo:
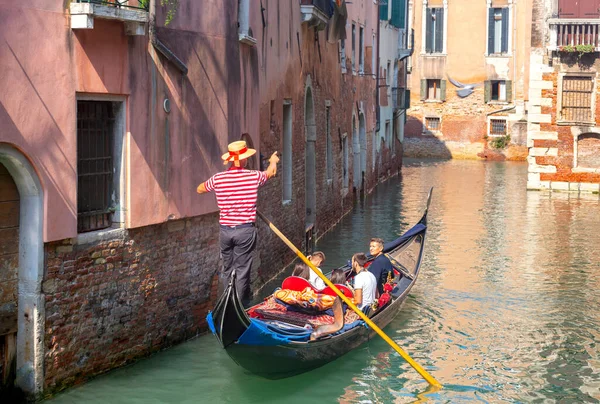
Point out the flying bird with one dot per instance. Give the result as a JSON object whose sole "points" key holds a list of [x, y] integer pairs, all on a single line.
{"points": [[464, 90]]}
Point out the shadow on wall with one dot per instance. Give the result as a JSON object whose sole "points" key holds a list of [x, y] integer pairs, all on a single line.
{"points": [[422, 143]]}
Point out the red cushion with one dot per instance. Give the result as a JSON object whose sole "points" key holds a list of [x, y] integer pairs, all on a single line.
{"points": [[344, 289], [296, 283]]}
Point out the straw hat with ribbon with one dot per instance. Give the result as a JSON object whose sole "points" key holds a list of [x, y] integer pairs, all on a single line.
{"points": [[237, 151]]}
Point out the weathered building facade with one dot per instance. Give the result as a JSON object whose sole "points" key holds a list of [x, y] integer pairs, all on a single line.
{"points": [[109, 121], [394, 96], [563, 134], [485, 43]]}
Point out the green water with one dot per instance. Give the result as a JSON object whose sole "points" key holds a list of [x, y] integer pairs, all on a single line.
{"points": [[506, 308]]}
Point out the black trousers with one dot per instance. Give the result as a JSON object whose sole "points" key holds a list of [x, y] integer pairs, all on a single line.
{"points": [[237, 248]]}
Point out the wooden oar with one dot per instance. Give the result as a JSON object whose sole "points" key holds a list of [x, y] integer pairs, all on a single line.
{"points": [[362, 315]]}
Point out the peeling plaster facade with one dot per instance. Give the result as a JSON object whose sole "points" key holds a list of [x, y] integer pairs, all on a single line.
{"points": [[464, 124]]}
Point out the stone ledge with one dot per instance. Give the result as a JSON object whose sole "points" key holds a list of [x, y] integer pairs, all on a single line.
{"points": [[541, 85], [546, 169], [543, 151], [543, 135], [540, 118]]}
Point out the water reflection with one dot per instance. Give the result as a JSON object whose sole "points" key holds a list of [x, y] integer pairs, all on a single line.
{"points": [[505, 310]]}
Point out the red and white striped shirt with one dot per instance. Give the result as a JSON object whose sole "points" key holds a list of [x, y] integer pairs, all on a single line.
{"points": [[236, 190]]}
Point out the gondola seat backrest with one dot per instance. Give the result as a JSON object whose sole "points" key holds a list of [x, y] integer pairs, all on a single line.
{"points": [[297, 283], [344, 289]]}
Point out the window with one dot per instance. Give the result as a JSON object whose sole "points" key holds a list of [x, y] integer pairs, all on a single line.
{"points": [[578, 9], [345, 176], [373, 60], [498, 91], [286, 161], [244, 31], [353, 48], [361, 53], [434, 30], [576, 99], [433, 90], [498, 31], [99, 126], [388, 135], [343, 55], [328, 153], [432, 123], [497, 127]]}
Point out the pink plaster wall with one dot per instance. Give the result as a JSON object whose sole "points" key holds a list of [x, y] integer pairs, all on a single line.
{"points": [[37, 103], [168, 155]]}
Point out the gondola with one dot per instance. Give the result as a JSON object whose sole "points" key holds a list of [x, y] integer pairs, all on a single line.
{"points": [[276, 349]]}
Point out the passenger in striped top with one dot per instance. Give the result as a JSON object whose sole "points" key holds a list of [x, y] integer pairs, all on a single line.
{"points": [[236, 190]]}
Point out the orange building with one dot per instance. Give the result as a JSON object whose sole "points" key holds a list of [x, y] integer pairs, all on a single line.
{"points": [[485, 43]]}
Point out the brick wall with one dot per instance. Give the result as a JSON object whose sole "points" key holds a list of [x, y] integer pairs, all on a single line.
{"points": [[553, 163], [115, 300], [463, 133]]}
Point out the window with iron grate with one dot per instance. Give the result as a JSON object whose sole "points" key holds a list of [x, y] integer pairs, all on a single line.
{"points": [[498, 127], [577, 99], [432, 123], [95, 145]]}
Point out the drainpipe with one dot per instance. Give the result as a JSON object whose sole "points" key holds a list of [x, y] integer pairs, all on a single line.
{"points": [[158, 45], [509, 108], [377, 112]]}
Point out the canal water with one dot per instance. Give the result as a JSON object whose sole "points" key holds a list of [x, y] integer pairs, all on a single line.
{"points": [[506, 308]]}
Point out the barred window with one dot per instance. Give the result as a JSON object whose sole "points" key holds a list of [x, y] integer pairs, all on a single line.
{"points": [[576, 104], [497, 127], [95, 132], [432, 123]]}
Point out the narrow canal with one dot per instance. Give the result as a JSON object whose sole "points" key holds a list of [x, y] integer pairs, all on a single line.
{"points": [[506, 308]]}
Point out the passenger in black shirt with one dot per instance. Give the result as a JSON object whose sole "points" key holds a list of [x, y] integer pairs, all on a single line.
{"points": [[381, 265]]}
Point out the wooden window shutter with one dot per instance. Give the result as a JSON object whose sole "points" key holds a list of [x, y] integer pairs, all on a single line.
{"points": [[443, 90], [429, 31], [504, 44], [487, 91], [509, 95], [383, 11], [568, 9], [439, 30], [423, 89], [491, 31]]}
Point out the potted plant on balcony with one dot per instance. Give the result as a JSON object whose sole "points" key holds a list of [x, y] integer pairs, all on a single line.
{"points": [[580, 49]]}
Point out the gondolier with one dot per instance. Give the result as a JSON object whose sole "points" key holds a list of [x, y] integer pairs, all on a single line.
{"points": [[236, 191]]}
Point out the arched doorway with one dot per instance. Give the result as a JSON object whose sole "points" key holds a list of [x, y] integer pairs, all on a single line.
{"points": [[310, 130], [362, 133], [9, 276], [356, 154], [29, 370]]}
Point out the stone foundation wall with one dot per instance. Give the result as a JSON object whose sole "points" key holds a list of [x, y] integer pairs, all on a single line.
{"points": [[131, 293]]}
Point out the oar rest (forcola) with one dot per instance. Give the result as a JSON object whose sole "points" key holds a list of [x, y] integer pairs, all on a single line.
{"points": [[299, 284]]}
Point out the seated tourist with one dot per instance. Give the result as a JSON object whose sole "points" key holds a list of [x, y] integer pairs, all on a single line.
{"points": [[301, 270], [381, 266], [365, 284], [338, 276], [317, 259]]}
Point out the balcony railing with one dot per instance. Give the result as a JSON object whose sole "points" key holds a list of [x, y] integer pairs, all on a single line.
{"points": [[134, 13], [133, 4], [316, 12], [573, 32]]}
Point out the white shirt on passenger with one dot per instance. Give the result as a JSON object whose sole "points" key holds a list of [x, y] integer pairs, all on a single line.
{"points": [[366, 281], [315, 280]]}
